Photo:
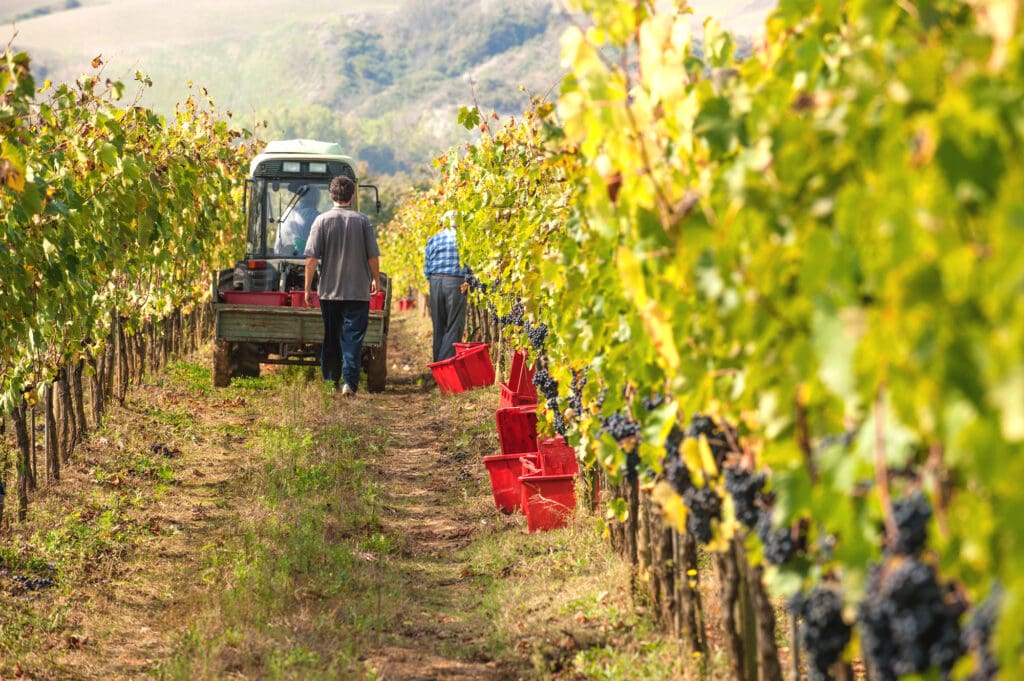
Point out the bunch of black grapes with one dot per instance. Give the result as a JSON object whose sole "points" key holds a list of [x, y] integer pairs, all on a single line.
{"points": [[547, 385], [475, 284], [909, 622], [746, 489], [537, 333], [515, 315], [778, 542], [977, 637], [704, 505], [911, 515], [652, 402], [33, 583], [715, 435], [824, 634], [676, 473], [575, 399], [558, 417], [620, 426]]}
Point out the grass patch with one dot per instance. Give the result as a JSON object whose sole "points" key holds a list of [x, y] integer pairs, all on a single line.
{"points": [[296, 591]]}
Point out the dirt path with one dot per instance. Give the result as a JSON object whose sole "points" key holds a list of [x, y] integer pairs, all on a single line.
{"points": [[433, 505], [132, 605]]}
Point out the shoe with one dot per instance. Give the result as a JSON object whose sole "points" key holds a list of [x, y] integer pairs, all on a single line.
{"points": [[347, 391]]}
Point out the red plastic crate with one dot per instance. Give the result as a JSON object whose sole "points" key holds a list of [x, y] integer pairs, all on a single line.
{"points": [[298, 299], [377, 301], [557, 457], [476, 361], [519, 389], [517, 429], [510, 398], [549, 501], [266, 298], [460, 348], [505, 471], [520, 376], [450, 376]]}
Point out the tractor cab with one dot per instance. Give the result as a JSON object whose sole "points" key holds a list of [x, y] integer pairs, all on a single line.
{"points": [[288, 187]]}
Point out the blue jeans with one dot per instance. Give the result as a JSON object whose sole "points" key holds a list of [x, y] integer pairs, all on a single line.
{"points": [[341, 356]]}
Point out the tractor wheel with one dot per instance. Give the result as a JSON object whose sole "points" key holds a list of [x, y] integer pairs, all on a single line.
{"points": [[231, 360], [245, 360], [376, 365], [221, 364]]}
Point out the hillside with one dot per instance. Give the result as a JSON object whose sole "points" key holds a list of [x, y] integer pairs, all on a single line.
{"points": [[384, 77]]}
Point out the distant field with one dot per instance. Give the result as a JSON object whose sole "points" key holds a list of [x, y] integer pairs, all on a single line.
{"points": [[227, 46], [133, 24]]}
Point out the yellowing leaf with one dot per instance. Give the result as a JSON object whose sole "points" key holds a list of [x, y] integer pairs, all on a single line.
{"points": [[655, 318], [12, 168], [672, 506], [690, 451], [707, 458]]}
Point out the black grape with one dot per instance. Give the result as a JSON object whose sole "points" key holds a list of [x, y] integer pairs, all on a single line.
{"points": [[779, 546], [33, 583], [705, 505], [547, 385], [559, 420], [911, 516], [677, 474], [515, 316], [653, 402], [977, 637], [824, 634], [908, 625], [745, 488], [537, 334], [620, 427], [706, 426]]}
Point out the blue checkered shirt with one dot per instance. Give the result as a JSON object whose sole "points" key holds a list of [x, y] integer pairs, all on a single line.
{"points": [[442, 256]]}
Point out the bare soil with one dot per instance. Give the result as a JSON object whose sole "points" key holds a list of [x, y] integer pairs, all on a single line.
{"points": [[123, 613]]}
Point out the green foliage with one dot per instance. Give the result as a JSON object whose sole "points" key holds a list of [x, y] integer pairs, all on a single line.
{"points": [[103, 210], [823, 238]]}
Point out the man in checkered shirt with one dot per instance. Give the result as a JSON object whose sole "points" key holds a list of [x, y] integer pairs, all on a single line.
{"points": [[447, 298]]}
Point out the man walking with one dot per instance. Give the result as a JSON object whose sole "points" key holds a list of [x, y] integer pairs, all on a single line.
{"points": [[342, 242], [447, 298]]}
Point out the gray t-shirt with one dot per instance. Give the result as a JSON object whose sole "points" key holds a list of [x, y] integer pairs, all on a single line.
{"points": [[343, 240]]}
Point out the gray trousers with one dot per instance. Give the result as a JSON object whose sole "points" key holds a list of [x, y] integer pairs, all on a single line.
{"points": [[448, 313]]}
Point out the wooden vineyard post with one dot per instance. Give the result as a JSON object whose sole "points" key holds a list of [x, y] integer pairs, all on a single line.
{"points": [[52, 447], [644, 569], [767, 651], [728, 574], [78, 396], [692, 606], [745, 606], [25, 477], [794, 647], [32, 442], [68, 426]]}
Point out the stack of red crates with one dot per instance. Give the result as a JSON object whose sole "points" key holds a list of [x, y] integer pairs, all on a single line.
{"points": [[544, 470]]}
